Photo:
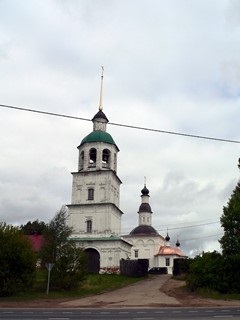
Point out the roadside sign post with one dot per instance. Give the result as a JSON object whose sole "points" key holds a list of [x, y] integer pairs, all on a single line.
{"points": [[49, 267]]}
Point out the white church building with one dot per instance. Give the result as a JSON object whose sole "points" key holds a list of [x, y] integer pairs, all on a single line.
{"points": [[94, 212], [147, 243]]}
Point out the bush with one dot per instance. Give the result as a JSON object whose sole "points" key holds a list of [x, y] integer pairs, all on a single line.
{"points": [[205, 271]]}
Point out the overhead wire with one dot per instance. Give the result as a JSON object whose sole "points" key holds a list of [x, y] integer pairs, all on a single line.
{"points": [[185, 227], [122, 125], [191, 226], [203, 237], [138, 128]]}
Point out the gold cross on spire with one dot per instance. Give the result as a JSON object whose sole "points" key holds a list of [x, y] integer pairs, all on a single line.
{"points": [[101, 88]]}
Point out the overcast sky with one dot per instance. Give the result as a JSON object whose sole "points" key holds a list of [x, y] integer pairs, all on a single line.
{"points": [[169, 65]]}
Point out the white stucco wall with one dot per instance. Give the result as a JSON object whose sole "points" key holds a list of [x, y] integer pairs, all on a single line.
{"points": [[110, 251], [147, 247]]}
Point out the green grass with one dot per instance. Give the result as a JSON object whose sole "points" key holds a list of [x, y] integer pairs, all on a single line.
{"points": [[93, 284], [210, 294]]}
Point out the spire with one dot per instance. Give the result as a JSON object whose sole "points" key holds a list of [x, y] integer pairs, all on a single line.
{"points": [[145, 190], [101, 88]]}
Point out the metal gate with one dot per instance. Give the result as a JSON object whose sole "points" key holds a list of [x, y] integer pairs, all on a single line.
{"points": [[93, 260]]}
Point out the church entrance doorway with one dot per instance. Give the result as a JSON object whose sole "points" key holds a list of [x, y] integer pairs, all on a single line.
{"points": [[93, 260]]}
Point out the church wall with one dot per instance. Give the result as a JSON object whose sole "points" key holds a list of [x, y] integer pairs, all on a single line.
{"points": [[160, 261], [146, 247], [104, 183], [111, 252], [106, 219]]}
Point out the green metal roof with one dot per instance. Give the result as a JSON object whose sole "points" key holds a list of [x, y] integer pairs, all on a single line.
{"points": [[98, 136]]}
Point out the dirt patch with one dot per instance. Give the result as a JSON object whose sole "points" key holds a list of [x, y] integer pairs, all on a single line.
{"points": [[178, 290], [158, 291]]}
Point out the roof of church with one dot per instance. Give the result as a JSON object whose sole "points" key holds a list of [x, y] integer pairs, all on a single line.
{"points": [[168, 250], [98, 136], [145, 207], [103, 239], [100, 115], [144, 230]]}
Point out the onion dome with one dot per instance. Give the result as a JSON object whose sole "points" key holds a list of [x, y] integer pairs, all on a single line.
{"points": [[144, 230], [167, 238], [177, 243], [145, 191]]}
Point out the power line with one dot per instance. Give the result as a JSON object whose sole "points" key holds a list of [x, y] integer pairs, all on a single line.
{"points": [[203, 237], [191, 226], [44, 112], [185, 227], [122, 125], [207, 221]]}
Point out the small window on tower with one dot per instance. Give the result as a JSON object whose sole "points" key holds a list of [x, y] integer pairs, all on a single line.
{"points": [[90, 194], [89, 226], [136, 253]]}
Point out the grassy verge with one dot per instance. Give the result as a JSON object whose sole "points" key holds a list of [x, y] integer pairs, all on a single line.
{"points": [[216, 295], [93, 284]]}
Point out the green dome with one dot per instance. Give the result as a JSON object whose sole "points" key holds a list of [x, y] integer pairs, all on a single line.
{"points": [[98, 136]]}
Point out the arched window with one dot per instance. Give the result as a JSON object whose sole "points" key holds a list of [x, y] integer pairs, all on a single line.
{"points": [[92, 157], [106, 158], [89, 226], [81, 160]]}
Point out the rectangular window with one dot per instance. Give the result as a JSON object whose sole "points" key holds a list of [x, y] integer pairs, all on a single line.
{"points": [[167, 262], [90, 194], [136, 253], [89, 226]]}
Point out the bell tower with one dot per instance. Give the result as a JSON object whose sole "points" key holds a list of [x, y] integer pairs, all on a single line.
{"points": [[94, 209]]}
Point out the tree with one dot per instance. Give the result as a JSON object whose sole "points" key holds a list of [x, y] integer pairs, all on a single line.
{"points": [[230, 221], [35, 227], [18, 261], [68, 259]]}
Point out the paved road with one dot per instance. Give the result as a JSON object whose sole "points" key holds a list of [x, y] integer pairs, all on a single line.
{"points": [[120, 314]]}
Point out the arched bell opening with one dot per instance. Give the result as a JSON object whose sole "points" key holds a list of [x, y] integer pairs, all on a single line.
{"points": [[92, 157], [81, 161], [106, 158]]}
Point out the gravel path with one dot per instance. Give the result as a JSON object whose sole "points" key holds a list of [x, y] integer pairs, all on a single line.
{"points": [[140, 294]]}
